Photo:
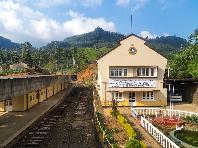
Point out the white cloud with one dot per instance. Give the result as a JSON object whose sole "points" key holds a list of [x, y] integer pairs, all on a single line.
{"points": [[150, 35], [137, 4], [80, 24], [50, 3], [122, 2], [21, 23], [91, 2], [134, 4], [146, 34], [165, 34]]}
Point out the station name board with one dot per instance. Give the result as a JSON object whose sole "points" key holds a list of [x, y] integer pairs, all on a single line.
{"points": [[132, 83]]}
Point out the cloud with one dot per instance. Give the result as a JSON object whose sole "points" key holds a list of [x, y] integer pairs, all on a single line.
{"points": [[165, 34], [21, 23], [91, 2], [80, 24], [53, 3], [122, 2], [135, 4], [50, 3], [146, 34]]}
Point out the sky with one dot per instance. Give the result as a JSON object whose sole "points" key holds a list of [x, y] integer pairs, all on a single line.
{"points": [[42, 21]]}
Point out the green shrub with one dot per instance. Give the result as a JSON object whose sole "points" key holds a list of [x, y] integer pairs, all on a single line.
{"points": [[193, 119], [114, 130], [134, 143], [114, 113], [131, 133]]}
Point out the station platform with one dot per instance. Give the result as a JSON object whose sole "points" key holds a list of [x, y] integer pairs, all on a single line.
{"points": [[14, 123]]}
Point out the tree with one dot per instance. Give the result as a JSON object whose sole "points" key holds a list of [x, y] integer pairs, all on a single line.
{"points": [[26, 56], [184, 64]]}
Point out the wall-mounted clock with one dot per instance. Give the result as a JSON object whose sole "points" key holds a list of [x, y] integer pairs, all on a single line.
{"points": [[132, 50]]}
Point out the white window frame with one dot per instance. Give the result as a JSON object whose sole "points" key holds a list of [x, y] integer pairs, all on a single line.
{"points": [[146, 72], [148, 96], [118, 96], [118, 72]]}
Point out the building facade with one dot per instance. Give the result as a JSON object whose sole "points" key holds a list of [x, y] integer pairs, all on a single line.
{"points": [[132, 74], [39, 88]]}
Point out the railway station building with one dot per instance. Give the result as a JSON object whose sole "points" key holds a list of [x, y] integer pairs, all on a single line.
{"points": [[13, 97], [132, 74]]}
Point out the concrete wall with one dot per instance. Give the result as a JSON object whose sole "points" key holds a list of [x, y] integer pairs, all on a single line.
{"points": [[195, 95], [42, 94], [32, 99], [2, 109], [55, 88], [11, 87], [19, 103], [49, 91]]}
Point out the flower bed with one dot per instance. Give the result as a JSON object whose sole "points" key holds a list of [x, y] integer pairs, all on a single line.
{"points": [[132, 142]]}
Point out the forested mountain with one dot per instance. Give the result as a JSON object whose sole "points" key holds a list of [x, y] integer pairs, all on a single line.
{"points": [[73, 53], [7, 44], [97, 38], [167, 45]]}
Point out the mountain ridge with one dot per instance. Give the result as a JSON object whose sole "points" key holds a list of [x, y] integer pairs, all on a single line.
{"points": [[100, 38], [7, 43]]}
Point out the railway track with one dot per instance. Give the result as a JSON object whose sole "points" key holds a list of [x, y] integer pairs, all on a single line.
{"points": [[69, 125]]}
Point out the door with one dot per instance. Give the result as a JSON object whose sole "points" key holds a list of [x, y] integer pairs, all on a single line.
{"points": [[8, 105], [132, 99]]}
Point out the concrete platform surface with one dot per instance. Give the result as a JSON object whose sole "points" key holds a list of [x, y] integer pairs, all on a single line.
{"points": [[13, 123]]}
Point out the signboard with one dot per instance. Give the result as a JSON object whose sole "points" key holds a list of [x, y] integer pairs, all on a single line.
{"points": [[132, 83]]}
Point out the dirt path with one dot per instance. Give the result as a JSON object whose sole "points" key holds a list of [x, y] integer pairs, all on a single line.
{"points": [[141, 133]]}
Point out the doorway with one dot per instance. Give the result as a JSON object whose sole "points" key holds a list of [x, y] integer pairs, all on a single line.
{"points": [[8, 105], [132, 99]]}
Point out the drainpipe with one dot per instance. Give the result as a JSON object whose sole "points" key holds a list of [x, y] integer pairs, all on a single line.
{"points": [[46, 93], [27, 102]]}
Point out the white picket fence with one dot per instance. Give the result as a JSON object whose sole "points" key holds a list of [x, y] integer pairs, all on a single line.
{"points": [[157, 111], [164, 141]]}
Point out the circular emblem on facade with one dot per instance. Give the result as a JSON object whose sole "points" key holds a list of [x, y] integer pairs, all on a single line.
{"points": [[132, 50]]}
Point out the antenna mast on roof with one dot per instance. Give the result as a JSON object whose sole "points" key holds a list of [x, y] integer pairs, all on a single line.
{"points": [[131, 23], [132, 11]]}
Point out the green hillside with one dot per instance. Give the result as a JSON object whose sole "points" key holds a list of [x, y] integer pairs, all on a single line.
{"points": [[74, 53], [7, 44]]}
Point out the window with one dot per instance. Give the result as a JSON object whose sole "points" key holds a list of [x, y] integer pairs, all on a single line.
{"points": [[125, 72], [146, 72], [148, 95], [138, 71], [117, 96], [118, 72], [152, 71], [132, 97]]}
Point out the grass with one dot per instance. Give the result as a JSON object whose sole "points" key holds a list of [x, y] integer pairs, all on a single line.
{"points": [[189, 137]]}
